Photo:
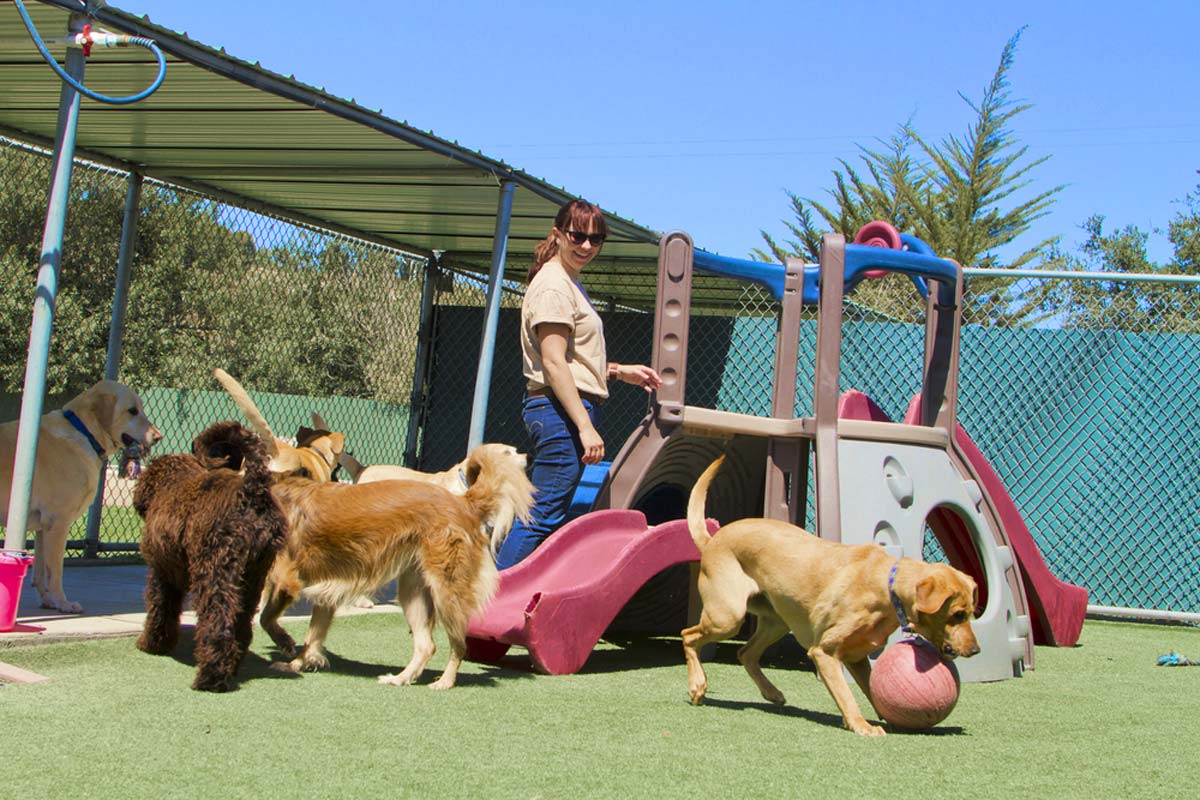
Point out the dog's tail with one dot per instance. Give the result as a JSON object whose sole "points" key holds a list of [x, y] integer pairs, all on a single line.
{"points": [[352, 465], [695, 508], [247, 407]]}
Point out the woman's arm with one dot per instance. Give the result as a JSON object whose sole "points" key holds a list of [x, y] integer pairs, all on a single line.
{"points": [[552, 339], [635, 374]]}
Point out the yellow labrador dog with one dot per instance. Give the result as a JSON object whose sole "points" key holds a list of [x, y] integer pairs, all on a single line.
{"points": [[840, 601], [74, 443]]}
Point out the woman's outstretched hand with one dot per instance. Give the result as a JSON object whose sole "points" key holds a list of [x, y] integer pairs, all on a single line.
{"points": [[636, 375]]}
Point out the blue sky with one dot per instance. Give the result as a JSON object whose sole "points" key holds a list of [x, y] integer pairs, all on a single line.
{"points": [[699, 116]]}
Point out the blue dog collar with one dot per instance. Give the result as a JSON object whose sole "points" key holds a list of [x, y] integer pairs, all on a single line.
{"points": [[905, 625], [78, 425]]}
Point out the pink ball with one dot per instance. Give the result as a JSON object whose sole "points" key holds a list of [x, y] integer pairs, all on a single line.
{"points": [[912, 686]]}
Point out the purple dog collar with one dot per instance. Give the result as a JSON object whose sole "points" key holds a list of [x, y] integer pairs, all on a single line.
{"points": [[905, 625]]}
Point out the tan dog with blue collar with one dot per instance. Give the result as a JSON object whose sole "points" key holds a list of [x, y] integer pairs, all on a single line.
{"points": [[840, 601], [74, 443]]}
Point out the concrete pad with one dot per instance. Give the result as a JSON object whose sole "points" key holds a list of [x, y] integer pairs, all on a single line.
{"points": [[111, 596]]}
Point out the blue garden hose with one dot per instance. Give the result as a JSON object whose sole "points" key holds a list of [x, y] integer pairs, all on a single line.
{"points": [[106, 40]]}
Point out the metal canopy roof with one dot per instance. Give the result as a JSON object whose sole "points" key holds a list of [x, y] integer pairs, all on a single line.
{"points": [[226, 127]]}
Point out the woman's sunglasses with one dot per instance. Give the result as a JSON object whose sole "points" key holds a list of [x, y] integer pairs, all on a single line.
{"points": [[579, 237]]}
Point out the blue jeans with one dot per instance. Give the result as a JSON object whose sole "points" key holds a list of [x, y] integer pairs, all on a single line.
{"points": [[557, 469]]}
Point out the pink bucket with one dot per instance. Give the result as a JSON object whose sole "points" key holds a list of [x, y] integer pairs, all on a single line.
{"points": [[13, 565]]}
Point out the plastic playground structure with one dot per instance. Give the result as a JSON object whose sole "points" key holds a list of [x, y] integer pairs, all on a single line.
{"points": [[875, 480]]}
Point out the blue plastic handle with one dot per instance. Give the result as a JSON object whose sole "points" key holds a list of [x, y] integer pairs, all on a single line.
{"points": [[766, 274], [917, 261]]}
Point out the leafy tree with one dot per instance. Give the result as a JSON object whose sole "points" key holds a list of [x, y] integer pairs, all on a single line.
{"points": [[311, 315], [84, 300], [1131, 305], [958, 195]]}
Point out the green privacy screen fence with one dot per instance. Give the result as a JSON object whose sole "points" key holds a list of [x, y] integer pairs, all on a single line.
{"points": [[1092, 432], [1090, 422]]}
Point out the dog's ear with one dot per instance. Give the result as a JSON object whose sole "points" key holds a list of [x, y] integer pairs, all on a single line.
{"points": [[473, 467], [318, 422], [933, 591], [104, 407]]}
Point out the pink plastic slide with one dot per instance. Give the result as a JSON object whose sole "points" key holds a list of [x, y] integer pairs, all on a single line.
{"points": [[558, 602]]}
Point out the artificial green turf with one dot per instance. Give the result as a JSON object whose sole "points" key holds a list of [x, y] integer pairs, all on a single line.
{"points": [[1099, 720]]}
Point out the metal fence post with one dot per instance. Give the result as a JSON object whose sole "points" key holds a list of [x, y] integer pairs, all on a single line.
{"points": [[422, 362], [487, 347], [116, 337], [50, 265]]}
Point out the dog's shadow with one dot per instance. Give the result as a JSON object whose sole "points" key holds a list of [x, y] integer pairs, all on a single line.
{"points": [[824, 718], [253, 666], [341, 665]]}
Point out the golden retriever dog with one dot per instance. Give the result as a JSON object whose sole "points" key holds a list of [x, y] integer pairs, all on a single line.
{"points": [[315, 452], [74, 444], [840, 602], [346, 540]]}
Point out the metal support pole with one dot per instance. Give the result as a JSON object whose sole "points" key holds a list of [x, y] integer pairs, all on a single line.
{"points": [[422, 363], [43, 306], [116, 337], [487, 347]]}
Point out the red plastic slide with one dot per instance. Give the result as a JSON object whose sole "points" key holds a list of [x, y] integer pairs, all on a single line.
{"points": [[1057, 608], [558, 602]]}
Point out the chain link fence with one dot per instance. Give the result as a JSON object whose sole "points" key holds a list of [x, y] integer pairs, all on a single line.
{"points": [[1079, 392], [308, 321]]}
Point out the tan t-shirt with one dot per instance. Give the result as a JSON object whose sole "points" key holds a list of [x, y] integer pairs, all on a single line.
{"points": [[554, 296]]}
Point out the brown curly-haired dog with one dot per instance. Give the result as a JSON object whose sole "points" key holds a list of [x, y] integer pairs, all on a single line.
{"points": [[214, 531]]}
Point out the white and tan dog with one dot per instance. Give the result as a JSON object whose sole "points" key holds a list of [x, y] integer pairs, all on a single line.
{"points": [[74, 443], [456, 480]]}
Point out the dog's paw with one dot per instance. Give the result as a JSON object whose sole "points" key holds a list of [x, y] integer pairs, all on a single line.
{"points": [[363, 601], [62, 604], [867, 729], [402, 679], [773, 695], [310, 662], [156, 647], [283, 666], [442, 684], [212, 683]]}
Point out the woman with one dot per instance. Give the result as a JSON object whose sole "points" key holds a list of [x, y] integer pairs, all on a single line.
{"points": [[567, 372]]}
